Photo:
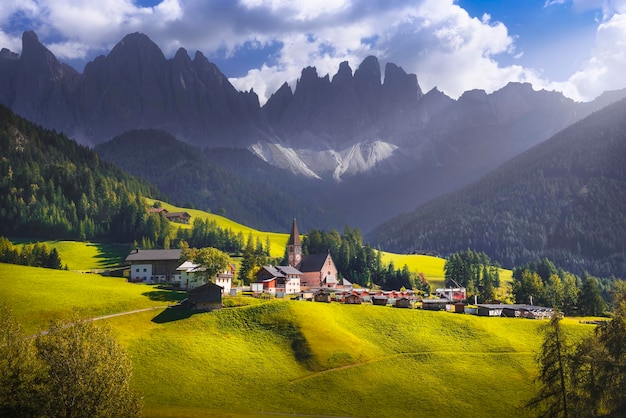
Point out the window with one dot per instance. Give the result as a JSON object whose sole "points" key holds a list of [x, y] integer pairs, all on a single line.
{"points": [[144, 270], [137, 270]]}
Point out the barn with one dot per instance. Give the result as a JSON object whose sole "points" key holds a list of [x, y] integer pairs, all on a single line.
{"points": [[207, 297], [403, 302], [352, 299]]}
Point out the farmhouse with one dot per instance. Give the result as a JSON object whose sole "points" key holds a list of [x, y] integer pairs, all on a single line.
{"points": [[180, 217], [189, 278], [154, 266], [318, 270], [280, 281]]}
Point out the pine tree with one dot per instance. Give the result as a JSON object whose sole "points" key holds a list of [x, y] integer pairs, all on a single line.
{"points": [[554, 372]]}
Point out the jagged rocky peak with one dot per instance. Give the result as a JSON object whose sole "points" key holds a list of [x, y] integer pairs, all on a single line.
{"points": [[344, 74], [8, 54]]}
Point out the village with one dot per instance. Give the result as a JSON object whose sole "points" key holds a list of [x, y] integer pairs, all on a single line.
{"points": [[308, 277]]}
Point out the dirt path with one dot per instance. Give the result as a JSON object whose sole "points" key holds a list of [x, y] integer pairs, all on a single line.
{"points": [[363, 363], [128, 313]]}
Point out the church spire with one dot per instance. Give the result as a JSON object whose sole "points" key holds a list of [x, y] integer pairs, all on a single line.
{"points": [[294, 246], [294, 238]]}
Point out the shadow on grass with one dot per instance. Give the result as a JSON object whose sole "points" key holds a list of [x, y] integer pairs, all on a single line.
{"points": [[171, 314], [110, 255], [166, 295]]}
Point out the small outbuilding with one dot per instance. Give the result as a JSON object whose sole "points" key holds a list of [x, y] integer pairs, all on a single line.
{"points": [[352, 299], [207, 297], [321, 296], [435, 304], [403, 302], [380, 300]]}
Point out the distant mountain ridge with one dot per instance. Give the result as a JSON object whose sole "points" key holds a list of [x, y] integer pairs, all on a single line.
{"points": [[372, 135], [326, 127], [565, 199]]}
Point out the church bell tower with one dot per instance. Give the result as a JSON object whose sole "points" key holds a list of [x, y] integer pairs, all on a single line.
{"points": [[294, 246]]}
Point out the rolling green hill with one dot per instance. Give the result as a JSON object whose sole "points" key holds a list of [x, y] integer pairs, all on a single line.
{"points": [[564, 199], [296, 357]]}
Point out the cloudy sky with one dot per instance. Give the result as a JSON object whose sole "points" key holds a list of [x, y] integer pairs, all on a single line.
{"points": [[574, 46]]}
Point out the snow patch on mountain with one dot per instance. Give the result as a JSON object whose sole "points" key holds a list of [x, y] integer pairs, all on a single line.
{"points": [[358, 158]]}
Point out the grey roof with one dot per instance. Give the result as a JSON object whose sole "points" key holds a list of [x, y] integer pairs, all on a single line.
{"points": [[154, 255], [281, 271], [289, 270], [313, 262]]}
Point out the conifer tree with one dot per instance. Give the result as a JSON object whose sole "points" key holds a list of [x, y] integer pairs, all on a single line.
{"points": [[554, 372]]}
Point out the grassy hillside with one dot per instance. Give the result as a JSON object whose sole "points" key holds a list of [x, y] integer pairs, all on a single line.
{"points": [[296, 357], [86, 256], [37, 295], [432, 267]]}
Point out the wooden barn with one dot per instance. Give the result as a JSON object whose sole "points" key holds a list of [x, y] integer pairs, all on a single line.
{"points": [[403, 302], [380, 300], [352, 299], [321, 296], [207, 297], [435, 304]]}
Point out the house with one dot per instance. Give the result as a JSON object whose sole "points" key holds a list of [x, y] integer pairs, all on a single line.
{"points": [[352, 299], [154, 266], [318, 270], [279, 281], [225, 279], [190, 279], [453, 294], [207, 297], [490, 309], [162, 211], [180, 217]]}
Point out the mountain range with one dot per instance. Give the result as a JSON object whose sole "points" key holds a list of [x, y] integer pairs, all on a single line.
{"points": [[357, 148]]}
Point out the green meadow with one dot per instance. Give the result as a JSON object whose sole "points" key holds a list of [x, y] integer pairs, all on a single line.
{"points": [[295, 357], [86, 256]]}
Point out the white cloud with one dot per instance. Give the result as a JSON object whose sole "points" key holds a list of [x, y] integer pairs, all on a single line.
{"points": [[435, 39], [606, 68]]}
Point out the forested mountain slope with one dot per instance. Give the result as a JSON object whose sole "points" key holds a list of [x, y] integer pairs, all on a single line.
{"points": [[51, 187], [564, 199], [231, 182]]}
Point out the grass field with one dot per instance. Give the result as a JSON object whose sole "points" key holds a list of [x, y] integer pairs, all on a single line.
{"points": [[38, 295], [86, 256], [296, 357]]}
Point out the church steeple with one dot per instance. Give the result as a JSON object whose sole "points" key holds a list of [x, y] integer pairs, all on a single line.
{"points": [[294, 246]]}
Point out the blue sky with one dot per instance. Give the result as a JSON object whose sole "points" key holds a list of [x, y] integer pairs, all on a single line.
{"points": [[574, 46]]}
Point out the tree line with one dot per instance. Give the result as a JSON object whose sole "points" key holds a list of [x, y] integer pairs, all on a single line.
{"points": [[34, 255], [537, 282], [360, 263]]}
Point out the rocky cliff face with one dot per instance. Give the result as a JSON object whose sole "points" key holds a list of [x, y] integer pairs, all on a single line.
{"points": [[134, 86], [326, 127]]}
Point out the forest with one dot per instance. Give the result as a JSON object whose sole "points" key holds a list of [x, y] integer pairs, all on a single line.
{"points": [[51, 187], [563, 200]]}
